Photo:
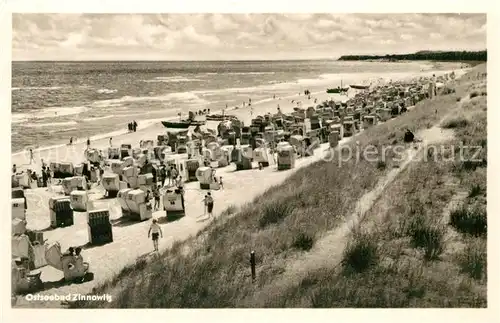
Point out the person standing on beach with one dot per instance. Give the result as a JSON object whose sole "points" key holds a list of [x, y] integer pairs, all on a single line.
{"points": [[14, 169], [70, 140], [88, 142], [220, 183], [155, 175], [101, 173], [174, 174], [155, 231], [164, 174], [49, 175], [156, 194], [44, 176], [110, 141], [149, 196]]}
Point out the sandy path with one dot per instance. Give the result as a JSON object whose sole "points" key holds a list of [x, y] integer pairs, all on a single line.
{"points": [[327, 251]]}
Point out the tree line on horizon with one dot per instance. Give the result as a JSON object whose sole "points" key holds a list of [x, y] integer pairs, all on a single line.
{"points": [[423, 56]]}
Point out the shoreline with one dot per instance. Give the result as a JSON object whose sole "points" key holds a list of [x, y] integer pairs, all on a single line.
{"points": [[75, 153], [144, 124]]}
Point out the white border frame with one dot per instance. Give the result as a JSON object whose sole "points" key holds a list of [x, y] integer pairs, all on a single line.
{"points": [[256, 315]]}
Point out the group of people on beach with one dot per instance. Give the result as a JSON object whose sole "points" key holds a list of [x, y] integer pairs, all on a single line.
{"points": [[132, 126], [71, 141], [202, 112], [167, 172], [43, 179]]}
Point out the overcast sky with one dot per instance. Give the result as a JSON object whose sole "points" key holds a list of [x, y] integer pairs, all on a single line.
{"points": [[238, 36]]}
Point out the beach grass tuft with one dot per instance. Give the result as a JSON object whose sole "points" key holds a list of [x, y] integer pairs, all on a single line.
{"points": [[426, 235], [458, 122], [474, 94], [303, 241], [360, 254], [470, 220], [274, 212]]}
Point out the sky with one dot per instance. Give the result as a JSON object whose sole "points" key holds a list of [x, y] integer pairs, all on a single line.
{"points": [[38, 36]]}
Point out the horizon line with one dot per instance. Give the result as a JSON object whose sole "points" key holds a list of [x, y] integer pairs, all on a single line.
{"points": [[179, 60], [337, 58]]}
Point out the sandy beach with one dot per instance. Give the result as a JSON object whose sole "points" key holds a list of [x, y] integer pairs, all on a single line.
{"points": [[75, 152], [130, 238]]}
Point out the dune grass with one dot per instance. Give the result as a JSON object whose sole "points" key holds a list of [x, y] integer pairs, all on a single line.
{"points": [[289, 218], [472, 260], [457, 122], [415, 264]]}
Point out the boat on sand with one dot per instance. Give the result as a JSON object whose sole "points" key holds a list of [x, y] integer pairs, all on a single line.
{"points": [[184, 124], [337, 90], [359, 86]]}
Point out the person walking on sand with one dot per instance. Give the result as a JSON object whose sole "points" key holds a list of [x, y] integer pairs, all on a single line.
{"points": [[220, 183], [204, 205], [110, 141], [32, 159], [155, 232], [210, 204]]}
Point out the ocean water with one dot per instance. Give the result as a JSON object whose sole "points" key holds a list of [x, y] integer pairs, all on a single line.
{"points": [[53, 101]]}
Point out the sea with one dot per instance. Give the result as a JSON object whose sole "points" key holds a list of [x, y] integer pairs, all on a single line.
{"points": [[53, 101]]}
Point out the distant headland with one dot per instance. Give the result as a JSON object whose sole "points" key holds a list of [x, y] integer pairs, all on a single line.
{"points": [[478, 56]]}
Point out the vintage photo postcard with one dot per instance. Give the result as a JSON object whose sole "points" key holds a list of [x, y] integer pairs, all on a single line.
{"points": [[224, 160]]}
